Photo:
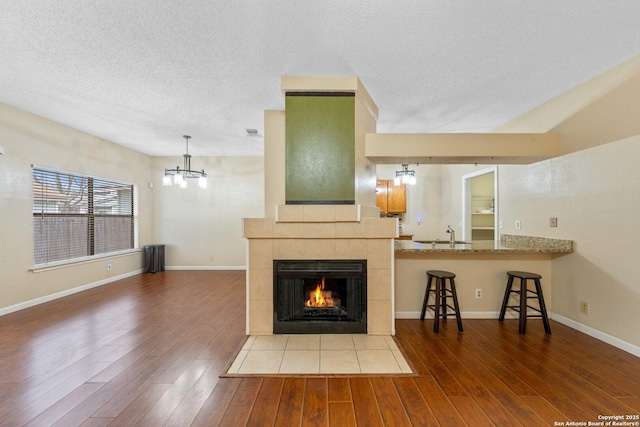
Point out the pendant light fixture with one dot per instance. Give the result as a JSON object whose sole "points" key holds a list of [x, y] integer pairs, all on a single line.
{"points": [[405, 176], [180, 176]]}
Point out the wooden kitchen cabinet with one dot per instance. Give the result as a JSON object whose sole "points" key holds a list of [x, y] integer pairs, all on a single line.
{"points": [[405, 237], [381, 195], [391, 198]]}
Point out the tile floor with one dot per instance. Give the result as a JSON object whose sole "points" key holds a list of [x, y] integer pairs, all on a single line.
{"points": [[320, 354]]}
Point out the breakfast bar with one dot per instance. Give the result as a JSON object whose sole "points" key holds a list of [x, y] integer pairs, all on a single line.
{"points": [[480, 268]]}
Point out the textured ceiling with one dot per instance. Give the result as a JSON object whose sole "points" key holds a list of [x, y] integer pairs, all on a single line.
{"points": [[143, 73]]}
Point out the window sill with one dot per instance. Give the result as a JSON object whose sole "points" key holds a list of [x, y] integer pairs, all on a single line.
{"points": [[79, 261]]}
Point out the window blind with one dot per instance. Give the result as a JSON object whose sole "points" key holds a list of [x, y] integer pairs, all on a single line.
{"points": [[77, 216]]}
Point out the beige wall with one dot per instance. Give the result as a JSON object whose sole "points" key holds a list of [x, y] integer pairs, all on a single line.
{"points": [[274, 156], [594, 195], [30, 140], [473, 271], [599, 111], [203, 228], [365, 185], [452, 197]]}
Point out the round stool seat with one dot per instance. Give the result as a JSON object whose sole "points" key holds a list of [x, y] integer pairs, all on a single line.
{"points": [[440, 274], [524, 275]]}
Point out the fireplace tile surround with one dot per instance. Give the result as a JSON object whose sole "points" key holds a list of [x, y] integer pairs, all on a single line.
{"points": [[320, 232]]}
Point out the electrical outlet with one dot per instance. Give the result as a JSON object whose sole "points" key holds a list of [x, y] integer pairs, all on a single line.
{"points": [[553, 222], [478, 293], [518, 225], [109, 266], [584, 307]]}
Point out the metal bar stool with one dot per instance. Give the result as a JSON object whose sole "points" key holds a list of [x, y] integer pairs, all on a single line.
{"points": [[441, 293], [523, 306]]}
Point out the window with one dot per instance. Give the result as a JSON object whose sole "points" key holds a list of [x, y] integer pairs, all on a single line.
{"points": [[77, 216]]}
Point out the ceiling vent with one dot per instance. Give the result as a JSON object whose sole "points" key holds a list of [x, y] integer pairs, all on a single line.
{"points": [[252, 132]]}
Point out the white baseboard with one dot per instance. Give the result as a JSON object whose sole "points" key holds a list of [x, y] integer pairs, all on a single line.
{"points": [[206, 267], [47, 298], [609, 339]]}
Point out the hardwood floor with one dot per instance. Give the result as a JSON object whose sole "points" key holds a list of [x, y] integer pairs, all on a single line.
{"points": [[149, 350]]}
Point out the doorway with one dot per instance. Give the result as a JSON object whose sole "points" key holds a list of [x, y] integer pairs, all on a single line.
{"points": [[480, 205]]}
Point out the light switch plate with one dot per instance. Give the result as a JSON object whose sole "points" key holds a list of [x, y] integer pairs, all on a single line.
{"points": [[553, 222]]}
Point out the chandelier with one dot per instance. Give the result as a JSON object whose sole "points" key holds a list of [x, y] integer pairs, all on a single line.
{"points": [[405, 176], [180, 176]]}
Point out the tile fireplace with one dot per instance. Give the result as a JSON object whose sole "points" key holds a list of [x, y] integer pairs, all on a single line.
{"points": [[313, 239]]}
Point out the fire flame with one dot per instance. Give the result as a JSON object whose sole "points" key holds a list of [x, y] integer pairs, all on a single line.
{"points": [[317, 297]]}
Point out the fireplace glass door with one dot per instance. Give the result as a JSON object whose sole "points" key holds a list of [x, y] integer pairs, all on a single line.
{"points": [[320, 296]]}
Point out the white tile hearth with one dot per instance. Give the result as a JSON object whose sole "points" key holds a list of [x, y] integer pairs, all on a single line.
{"points": [[320, 354]]}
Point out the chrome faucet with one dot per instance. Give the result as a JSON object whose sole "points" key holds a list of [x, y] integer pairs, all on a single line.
{"points": [[452, 235]]}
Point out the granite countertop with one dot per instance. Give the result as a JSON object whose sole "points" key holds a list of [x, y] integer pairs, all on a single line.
{"points": [[507, 244]]}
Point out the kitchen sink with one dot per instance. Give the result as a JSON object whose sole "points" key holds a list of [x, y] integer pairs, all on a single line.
{"points": [[442, 242]]}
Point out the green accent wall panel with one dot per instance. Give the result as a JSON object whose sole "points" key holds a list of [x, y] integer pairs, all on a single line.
{"points": [[320, 149]]}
